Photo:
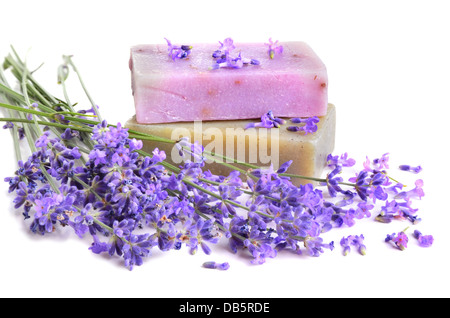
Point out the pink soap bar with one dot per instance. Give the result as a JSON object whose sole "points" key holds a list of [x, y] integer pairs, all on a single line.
{"points": [[292, 84]]}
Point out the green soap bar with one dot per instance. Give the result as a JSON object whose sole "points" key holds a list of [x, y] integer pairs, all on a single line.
{"points": [[259, 146]]}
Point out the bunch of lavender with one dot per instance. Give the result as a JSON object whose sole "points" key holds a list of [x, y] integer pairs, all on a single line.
{"points": [[94, 178]]}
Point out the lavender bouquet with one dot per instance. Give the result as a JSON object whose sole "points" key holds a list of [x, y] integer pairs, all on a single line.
{"points": [[94, 179]]}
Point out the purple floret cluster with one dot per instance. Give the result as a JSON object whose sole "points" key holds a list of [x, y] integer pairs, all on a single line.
{"points": [[225, 57]]}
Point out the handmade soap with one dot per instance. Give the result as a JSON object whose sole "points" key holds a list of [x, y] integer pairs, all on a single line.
{"points": [[292, 84], [260, 146]]}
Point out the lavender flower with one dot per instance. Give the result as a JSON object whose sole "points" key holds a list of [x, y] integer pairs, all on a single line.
{"points": [[400, 240], [333, 180], [185, 147], [178, 52], [424, 240], [353, 240], [342, 160], [260, 252], [273, 48], [381, 163], [410, 168], [416, 193], [8, 125], [214, 265], [363, 210], [315, 246], [309, 127], [268, 120], [225, 59]]}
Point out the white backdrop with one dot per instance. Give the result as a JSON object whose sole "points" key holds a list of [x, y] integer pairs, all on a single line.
{"points": [[388, 67]]}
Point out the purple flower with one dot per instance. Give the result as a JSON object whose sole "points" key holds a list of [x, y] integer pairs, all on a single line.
{"points": [[178, 52], [332, 182], [97, 156], [363, 210], [345, 243], [42, 141], [416, 193], [400, 240], [98, 247], [353, 240], [109, 136], [214, 265], [315, 246], [224, 59], [70, 134], [309, 127], [184, 146], [358, 242], [377, 192], [8, 125], [199, 233], [362, 184], [227, 46], [343, 160], [424, 240], [136, 248], [267, 121], [382, 162], [158, 155], [82, 222], [410, 168], [273, 47], [260, 252]]}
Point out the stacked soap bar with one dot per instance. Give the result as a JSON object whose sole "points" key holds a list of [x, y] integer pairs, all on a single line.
{"points": [[189, 97], [292, 84], [260, 146]]}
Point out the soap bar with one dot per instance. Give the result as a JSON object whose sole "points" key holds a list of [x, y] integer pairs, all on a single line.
{"points": [[292, 84], [260, 146]]}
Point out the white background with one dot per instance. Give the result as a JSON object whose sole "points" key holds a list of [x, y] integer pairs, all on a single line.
{"points": [[388, 67]]}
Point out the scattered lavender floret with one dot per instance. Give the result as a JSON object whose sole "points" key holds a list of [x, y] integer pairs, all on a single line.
{"points": [[424, 240], [353, 240], [342, 160], [309, 127], [268, 120], [224, 58], [399, 239], [410, 168], [8, 125], [416, 193], [178, 52], [382, 162], [274, 48], [214, 265]]}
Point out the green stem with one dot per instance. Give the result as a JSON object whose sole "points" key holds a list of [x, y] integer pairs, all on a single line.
{"points": [[14, 131], [94, 106]]}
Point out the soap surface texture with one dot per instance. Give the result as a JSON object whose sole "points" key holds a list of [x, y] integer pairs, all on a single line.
{"points": [[260, 146], [292, 84]]}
